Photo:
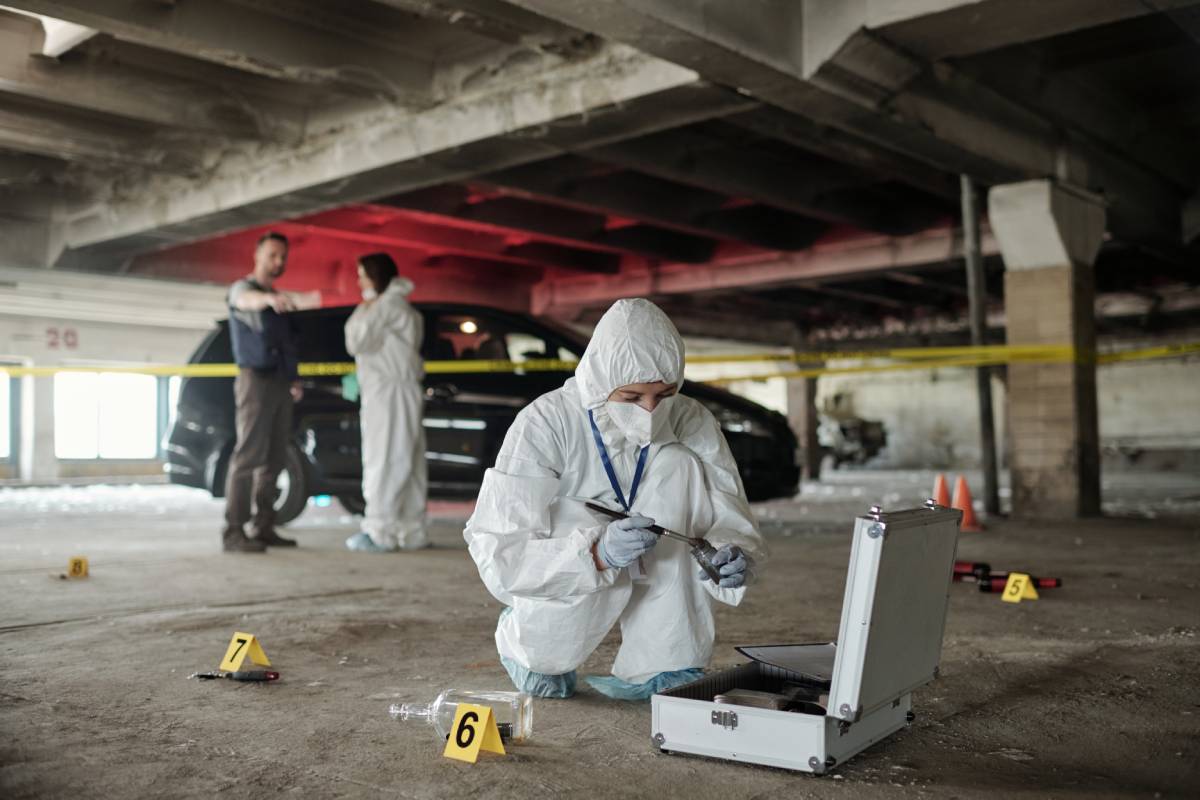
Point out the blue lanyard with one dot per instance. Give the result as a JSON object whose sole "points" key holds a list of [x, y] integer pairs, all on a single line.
{"points": [[608, 467]]}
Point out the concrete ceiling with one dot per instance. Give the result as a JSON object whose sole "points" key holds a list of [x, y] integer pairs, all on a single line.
{"points": [[794, 163]]}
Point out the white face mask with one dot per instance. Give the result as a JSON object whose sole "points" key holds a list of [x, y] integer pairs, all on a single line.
{"points": [[637, 425], [369, 294]]}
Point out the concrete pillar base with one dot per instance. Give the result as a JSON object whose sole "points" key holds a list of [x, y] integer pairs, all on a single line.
{"points": [[1053, 421], [1049, 236], [802, 416], [37, 460]]}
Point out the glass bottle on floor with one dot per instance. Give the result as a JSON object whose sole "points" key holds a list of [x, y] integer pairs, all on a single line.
{"points": [[513, 711]]}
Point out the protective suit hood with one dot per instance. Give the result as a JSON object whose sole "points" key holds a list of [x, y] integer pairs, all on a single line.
{"points": [[399, 285], [634, 342]]}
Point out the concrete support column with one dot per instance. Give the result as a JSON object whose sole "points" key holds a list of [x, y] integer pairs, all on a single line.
{"points": [[37, 459], [802, 416], [1049, 235]]}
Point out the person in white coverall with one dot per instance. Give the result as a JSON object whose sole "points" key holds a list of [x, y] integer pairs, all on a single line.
{"points": [[384, 335], [620, 434]]}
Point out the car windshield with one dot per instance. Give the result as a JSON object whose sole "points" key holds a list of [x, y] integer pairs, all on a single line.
{"points": [[474, 336]]}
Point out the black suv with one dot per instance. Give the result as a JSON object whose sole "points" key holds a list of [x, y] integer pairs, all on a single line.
{"points": [[466, 414]]}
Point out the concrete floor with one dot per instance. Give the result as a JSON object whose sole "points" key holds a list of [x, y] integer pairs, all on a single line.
{"points": [[1093, 691]]}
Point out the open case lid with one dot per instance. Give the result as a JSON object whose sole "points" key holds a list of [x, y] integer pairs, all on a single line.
{"points": [[807, 662], [894, 611]]}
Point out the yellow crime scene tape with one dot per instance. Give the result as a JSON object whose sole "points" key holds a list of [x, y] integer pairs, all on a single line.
{"points": [[803, 365]]}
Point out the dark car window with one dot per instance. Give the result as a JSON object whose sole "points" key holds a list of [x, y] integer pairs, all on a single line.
{"points": [[321, 336], [203, 392]]}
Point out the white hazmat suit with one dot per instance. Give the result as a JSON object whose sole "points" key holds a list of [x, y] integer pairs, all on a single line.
{"points": [[533, 543], [385, 340]]}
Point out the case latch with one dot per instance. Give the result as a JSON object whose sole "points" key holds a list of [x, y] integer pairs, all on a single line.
{"points": [[726, 719]]}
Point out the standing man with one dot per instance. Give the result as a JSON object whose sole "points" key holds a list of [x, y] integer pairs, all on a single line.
{"points": [[266, 386]]}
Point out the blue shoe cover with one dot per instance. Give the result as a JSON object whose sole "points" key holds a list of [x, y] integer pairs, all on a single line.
{"points": [[363, 543], [617, 689], [537, 683]]}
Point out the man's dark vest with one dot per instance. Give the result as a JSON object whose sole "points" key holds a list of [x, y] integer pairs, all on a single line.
{"points": [[260, 338]]}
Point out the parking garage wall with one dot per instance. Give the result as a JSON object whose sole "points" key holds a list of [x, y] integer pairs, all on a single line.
{"points": [[1148, 414], [931, 417], [48, 341]]}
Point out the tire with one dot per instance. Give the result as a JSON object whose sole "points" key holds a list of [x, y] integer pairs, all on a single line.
{"points": [[353, 503], [293, 488]]}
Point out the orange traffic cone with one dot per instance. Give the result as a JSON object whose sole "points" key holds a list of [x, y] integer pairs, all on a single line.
{"points": [[941, 493], [962, 502]]}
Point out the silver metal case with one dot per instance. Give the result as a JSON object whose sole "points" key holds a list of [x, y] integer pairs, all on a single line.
{"points": [[889, 643]]}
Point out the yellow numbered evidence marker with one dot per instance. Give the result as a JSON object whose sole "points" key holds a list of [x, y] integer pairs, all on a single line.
{"points": [[77, 567], [474, 729], [240, 646], [1019, 587]]}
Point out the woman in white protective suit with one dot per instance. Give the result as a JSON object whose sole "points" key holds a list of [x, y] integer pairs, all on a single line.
{"points": [[384, 335], [619, 433]]}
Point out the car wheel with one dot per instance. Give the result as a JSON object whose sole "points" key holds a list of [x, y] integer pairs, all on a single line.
{"points": [[353, 503], [292, 487]]}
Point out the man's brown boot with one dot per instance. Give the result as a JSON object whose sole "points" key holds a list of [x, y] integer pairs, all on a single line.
{"points": [[272, 539], [234, 541]]}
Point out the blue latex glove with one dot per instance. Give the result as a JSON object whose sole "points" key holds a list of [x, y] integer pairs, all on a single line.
{"points": [[617, 689], [624, 540], [539, 684], [350, 388], [732, 564]]}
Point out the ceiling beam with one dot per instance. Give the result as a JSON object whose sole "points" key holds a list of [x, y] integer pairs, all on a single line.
{"points": [[855, 294], [457, 202], [954, 30], [1016, 139], [828, 260], [590, 186], [510, 237], [750, 306], [694, 160], [913, 279], [376, 227], [707, 323], [833, 63], [1186, 16], [26, 169], [561, 224], [27, 243], [762, 50], [251, 39], [765, 226], [84, 83], [775, 123], [491, 19], [373, 155], [662, 244], [56, 135], [811, 306], [1023, 75]]}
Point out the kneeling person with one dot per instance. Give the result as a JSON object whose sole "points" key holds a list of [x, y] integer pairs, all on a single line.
{"points": [[618, 432]]}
